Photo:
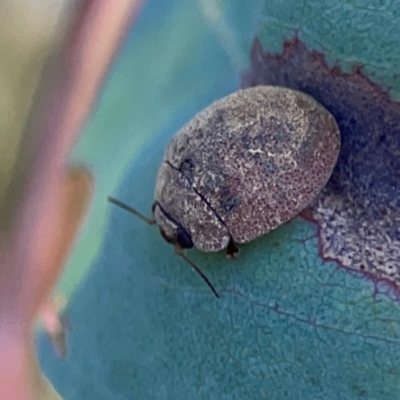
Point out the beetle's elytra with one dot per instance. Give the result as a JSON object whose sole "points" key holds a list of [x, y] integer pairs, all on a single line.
{"points": [[244, 165]]}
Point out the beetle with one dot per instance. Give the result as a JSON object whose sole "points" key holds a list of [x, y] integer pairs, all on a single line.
{"points": [[241, 167]]}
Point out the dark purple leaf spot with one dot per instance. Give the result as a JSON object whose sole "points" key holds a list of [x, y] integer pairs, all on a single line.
{"points": [[358, 212]]}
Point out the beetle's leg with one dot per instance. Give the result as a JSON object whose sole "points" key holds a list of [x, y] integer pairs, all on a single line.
{"points": [[232, 250]]}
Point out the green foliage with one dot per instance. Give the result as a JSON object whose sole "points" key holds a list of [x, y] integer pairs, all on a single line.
{"points": [[144, 325]]}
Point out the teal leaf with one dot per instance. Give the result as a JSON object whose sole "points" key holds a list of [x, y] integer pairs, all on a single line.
{"points": [[288, 325]]}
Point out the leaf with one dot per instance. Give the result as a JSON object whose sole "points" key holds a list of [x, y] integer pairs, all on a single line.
{"points": [[288, 325]]}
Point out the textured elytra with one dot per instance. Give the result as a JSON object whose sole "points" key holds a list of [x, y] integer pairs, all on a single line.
{"points": [[245, 165]]}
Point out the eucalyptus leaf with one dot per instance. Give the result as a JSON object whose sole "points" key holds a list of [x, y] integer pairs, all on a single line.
{"points": [[288, 324]]}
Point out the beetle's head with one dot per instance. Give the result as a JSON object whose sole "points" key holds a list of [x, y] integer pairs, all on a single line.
{"points": [[171, 230]]}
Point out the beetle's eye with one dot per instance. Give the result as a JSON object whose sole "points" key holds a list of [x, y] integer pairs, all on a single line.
{"points": [[183, 238]]}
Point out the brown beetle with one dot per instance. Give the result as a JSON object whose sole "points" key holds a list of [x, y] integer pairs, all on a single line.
{"points": [[243, 166]]}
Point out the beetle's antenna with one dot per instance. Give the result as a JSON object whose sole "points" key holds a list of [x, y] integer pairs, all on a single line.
{"points": [[180, 253], [131, 210], [178, 249]]}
